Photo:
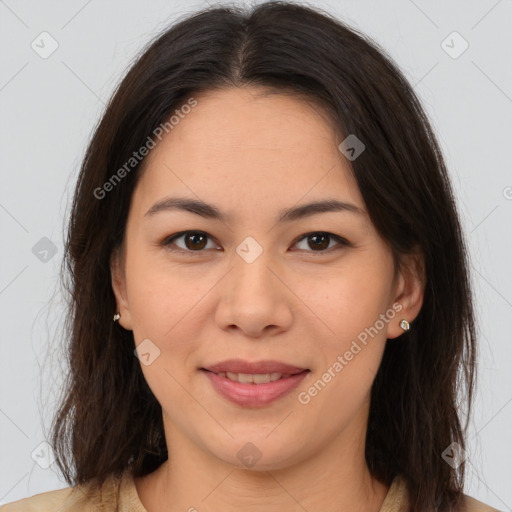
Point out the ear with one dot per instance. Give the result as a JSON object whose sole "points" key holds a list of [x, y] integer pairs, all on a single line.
{"points": [[408, 292], [119, 287]]}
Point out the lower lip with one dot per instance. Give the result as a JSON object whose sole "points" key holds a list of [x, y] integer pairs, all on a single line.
{"points": [[254, 395]]}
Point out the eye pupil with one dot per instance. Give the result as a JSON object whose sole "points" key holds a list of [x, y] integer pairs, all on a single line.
{"points": [[196, 237], [322, 245]]}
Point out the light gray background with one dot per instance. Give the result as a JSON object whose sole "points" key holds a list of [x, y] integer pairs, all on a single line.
{"points": [[50, 106]]}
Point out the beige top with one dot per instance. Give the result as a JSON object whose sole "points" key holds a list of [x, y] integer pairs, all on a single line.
{"points": [[123, 492]]}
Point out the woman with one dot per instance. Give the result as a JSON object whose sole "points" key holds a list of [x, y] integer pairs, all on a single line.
{"points": [[270, 304]]}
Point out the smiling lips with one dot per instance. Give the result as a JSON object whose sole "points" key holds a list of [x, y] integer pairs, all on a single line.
{"points": [[254, 384]]}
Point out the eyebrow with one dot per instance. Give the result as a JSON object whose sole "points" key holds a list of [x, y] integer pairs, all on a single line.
{"points": [[209, 211]]}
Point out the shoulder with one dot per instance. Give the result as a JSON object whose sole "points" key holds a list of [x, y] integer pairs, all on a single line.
{"points": [[47, 501], [85, 497], [471, 505], [398, 499]]}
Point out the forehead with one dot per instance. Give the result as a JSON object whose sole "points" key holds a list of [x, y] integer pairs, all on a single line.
{"points": [[243, 144], [252, 120]]}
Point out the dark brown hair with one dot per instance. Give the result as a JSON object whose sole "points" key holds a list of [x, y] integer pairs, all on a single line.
{"points": [[109, 420]]}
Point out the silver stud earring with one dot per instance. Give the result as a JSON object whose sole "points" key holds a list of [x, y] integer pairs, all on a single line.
{"points": [[117, 316], [404, 324]]}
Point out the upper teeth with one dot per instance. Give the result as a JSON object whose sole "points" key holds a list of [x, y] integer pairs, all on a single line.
{"points": [[254, 378]]}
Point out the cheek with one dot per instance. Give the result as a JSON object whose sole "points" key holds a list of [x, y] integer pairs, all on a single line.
{"points": [[161, 299], [355, 307], [161, 305], [350, 357], [350, 299]]}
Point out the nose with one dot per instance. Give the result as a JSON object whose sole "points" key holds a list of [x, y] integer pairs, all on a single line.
{"points": [[255, 298]]}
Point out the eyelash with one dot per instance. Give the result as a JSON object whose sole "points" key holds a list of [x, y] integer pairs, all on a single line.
{"points": [[168, 241]]}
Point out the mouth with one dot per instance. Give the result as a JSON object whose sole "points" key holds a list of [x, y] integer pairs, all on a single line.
{"points": [[254, 378], [242, 367], [254, 384]]}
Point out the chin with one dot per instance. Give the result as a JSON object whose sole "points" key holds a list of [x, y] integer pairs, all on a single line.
{"points": [[257, 455]]}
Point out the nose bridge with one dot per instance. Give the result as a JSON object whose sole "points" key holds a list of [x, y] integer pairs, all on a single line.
{"points": [[252, 296], [251, 272]]}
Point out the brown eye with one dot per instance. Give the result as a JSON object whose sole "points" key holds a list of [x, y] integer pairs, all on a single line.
{"points": [[195, 241], [192, 241], [320, 241]]}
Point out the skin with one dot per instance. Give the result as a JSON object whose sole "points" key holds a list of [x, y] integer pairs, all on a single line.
{"points": [[251, 156]]}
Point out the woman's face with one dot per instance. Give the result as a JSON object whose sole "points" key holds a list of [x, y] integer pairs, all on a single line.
{"points": [[256, 284]]}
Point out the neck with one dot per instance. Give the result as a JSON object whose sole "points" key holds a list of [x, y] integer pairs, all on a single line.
{"points": [[335, 479]]}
